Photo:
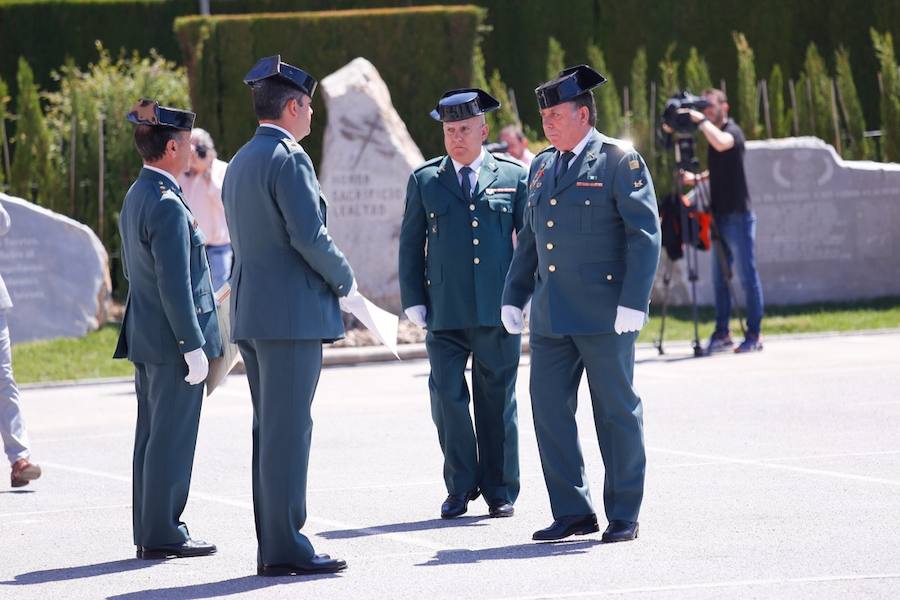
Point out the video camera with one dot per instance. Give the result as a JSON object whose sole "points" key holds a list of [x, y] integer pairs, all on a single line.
{"points": [[681, 122]]}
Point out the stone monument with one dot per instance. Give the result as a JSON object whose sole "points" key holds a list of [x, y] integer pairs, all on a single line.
{"points": [[827, 229], [367, 158], [56, 271]]}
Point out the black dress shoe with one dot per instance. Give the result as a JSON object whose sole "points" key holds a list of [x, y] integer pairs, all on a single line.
{"points": [[185, 549], [500, 508], [620, 531], [563, 527], [320, 563], [457, 504]]}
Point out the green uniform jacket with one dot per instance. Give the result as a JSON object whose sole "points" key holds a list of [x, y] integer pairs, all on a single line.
{"points": [[170, 308], [588, 245], [454, 254], [288, 273]]}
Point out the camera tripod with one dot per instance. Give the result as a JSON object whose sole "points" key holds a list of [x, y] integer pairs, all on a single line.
{"points": [[686, 161]]}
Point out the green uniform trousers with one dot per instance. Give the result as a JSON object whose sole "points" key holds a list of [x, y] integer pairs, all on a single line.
{"points": [[488, 456], [283, 375], [168, 415], [557, 364]]}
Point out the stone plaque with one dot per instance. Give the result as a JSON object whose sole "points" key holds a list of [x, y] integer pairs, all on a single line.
{"points": [[827, 229], [56, 271], [367, 158]]}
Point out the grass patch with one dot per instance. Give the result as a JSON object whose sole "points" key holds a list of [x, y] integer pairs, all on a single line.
{"points": [[70, 358], [881, 313], [91, 356]]}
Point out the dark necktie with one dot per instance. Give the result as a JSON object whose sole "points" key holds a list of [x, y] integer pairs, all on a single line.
{"points": [[563, 165], [466, 183]]}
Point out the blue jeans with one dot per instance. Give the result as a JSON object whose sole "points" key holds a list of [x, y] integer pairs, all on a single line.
{"points": [[12, 427], [738, 234], [220, 258]]}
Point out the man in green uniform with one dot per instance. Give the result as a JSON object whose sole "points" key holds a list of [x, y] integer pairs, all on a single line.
{"points": [[455, 248], [587, 257], [169, 330], [287, 278]]}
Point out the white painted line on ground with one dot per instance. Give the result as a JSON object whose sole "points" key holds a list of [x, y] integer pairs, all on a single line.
{"points": [[63, 510], [712, 585], [319, 521], [759, 463], [835, 455], [78, 438], [706, 463]]}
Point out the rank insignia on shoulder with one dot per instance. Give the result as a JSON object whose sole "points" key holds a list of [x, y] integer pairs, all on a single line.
{"points": [[490, 191], [634, 164], [638, 184], [590, 184]]}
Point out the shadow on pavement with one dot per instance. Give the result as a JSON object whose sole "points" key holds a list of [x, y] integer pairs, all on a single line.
{"points": [[342, 534], [520, 551], [217, 589], [65, 574]]}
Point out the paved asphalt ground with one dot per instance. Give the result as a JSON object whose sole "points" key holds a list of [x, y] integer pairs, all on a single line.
{"points": [[773, 475]]}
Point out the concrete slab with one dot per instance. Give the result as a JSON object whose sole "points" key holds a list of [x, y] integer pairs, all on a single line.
{"points": [[772, 475]]}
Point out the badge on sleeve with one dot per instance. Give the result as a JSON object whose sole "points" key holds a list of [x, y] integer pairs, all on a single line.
{"points": [[634, 164]]}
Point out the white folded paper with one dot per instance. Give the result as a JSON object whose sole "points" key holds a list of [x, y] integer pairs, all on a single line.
{"points": [[377, 320], [221, 366]]}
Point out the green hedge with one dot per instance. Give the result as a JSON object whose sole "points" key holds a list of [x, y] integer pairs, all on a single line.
{"points": [[46, 31], [419, 52]]}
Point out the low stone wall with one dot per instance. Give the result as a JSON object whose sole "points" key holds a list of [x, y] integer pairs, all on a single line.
{"points": [[827, 229]]}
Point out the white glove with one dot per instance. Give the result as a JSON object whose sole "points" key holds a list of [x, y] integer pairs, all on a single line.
{"points": [[526, 312], [353, 293], [512, 318], [417, 314], [198, 366], [628, 319]]}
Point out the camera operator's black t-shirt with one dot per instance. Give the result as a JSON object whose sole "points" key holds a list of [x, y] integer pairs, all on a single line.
{"points": [[727, 182]]}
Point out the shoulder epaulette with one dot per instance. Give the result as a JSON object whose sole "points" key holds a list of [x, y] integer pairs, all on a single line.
{"points": [[508, 159], [290, 144], [623, 145], [429, 163]]}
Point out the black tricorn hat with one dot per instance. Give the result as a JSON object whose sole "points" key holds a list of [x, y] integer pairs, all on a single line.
{"points": [[570, 82], [272, 66], [149, 112], [457, 105]]}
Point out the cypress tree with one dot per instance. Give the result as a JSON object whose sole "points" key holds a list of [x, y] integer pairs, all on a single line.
{"points": [[638, 104], [860, 147], [31, 166], [556, 58], [609, 107], [746, 87], [890, 96]]}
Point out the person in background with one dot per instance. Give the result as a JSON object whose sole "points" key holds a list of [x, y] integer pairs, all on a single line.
{"points": [[12, 426], [517, 144], [201, 186], [734, 219]]}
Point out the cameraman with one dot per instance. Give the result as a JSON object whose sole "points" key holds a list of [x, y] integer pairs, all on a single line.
{"points": [[735, 222]]}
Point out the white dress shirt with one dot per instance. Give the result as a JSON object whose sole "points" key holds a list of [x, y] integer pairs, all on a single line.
{"points": [[475, 165]]}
